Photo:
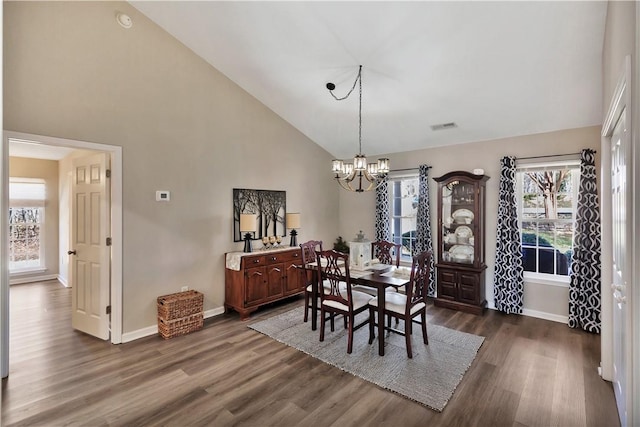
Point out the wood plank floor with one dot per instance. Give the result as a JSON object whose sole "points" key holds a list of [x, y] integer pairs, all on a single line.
{"points": [[529, 372]]}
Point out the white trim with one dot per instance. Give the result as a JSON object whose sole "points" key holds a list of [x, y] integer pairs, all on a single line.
{"points": [[4, 237], [24, 272], [153, 330], [570, 162], [537, 314], [116, 213], [31, 279], [546, 316], [62, 280], [621, 100], [634, 303], [546, 279]]}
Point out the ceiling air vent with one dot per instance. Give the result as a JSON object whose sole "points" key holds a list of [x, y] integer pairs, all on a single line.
{"points": [[444, 126]]}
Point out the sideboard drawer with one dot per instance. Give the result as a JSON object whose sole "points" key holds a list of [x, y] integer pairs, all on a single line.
{"points": [[253, 261], [276, 258]]}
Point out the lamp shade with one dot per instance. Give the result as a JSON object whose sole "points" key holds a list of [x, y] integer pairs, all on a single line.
{"points": [[248, 223], [293, 220]]}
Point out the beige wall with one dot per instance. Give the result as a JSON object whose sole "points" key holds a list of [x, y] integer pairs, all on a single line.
{"points": [[619, 41], [544, 299], [71, 71], [48, 171]]}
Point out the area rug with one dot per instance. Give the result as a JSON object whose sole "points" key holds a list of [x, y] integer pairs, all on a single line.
{"points": [[430, 378]]}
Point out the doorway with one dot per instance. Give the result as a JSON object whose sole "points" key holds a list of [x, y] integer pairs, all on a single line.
{"points": [[115, 293]]}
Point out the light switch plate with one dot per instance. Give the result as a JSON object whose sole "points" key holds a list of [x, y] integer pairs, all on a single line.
{"points": [[163, 196]]}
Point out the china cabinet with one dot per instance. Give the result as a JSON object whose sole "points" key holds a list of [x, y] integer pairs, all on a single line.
{"points": [[461, 247]]}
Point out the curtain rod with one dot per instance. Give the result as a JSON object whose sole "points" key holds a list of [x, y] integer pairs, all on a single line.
{"points": [[408, 169], [550, 155]]}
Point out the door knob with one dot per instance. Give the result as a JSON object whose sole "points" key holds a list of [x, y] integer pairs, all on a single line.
{"points": [[71, 252]]}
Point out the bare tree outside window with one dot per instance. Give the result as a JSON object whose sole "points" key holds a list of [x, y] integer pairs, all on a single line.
{"points": [[546, 215], [24, 238]]}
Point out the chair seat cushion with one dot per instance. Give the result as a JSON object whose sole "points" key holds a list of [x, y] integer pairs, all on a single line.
{"points": [[396, 303], [360, 299]]}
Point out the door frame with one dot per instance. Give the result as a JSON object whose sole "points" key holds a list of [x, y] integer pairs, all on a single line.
{"points": [[621, 98], [115, 153]]}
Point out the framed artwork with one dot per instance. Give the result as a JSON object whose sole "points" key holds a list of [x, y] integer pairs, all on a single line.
{"points": [[269, 206]]}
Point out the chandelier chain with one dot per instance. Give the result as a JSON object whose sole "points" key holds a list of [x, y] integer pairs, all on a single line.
{"points": [[360, 113], [358, 77], [359, 171]]}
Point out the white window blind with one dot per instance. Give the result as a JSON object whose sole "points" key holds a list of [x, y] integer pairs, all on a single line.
{"points": [[26, 192]]}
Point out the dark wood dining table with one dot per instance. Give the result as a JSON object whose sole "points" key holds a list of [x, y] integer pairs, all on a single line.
{"points": [[375, 279]]}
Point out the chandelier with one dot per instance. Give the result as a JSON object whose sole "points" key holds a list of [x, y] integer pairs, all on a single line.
{"points": [[366, 175]]}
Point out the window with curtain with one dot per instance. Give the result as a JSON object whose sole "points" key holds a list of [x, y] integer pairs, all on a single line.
{"points": [[403, 210], [547, 198], [26, 224]]}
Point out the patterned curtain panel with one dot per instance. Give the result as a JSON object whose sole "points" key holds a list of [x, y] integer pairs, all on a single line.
{"points": [[382, 210], [508, 271], [423, 231], [584, 290]]}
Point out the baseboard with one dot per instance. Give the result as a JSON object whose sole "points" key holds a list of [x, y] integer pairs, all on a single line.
{"points": [[153, 330], [31, 279], [63, 281], [538, 314], [546, 316]]}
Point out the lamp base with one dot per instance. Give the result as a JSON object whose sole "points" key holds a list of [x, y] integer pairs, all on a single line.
{"points": [[294, 238], [247, 243]]}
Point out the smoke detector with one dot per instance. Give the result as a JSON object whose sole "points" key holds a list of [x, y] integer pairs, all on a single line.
{"points": [[124, 20]]}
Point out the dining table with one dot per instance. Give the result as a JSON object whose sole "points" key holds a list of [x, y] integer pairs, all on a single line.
{"points": [[377, 276]]}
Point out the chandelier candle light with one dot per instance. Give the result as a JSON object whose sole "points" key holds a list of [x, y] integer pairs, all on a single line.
{"points": [[346, 172], [248, 226], [293, 223]]}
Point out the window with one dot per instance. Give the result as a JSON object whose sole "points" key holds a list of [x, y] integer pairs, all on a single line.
{"points": [[547, 197], [26, 224], [403, 197]]}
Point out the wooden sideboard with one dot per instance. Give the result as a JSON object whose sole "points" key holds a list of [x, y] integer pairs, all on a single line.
{"points": [[257, 278]]}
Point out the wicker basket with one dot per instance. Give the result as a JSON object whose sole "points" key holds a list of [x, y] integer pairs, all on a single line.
{"points": [[181, 304], [182, 326], [180, 313]]}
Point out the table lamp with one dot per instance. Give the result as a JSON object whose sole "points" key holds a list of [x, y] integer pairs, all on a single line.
{"points": [[247, 226], [293, 223]]}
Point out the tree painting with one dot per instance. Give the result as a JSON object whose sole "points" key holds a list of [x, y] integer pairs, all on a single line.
{"points": [[269, 206]]}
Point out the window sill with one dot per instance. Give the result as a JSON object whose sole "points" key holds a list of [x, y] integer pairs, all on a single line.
{"points": [[547, 279]]}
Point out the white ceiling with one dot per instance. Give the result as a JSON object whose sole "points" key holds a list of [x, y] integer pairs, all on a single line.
{"points": [[496, 69]]}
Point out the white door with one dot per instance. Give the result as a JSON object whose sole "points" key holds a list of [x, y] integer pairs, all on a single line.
{"points": [[89, 253], [621, 214]]}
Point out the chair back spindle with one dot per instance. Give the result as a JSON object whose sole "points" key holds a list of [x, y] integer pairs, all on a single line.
{"points": [[333, 269], [386, 252], [418, 285]]}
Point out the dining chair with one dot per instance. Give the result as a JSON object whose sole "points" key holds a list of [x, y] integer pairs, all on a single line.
{"points": [[409, 305], [386, 252], [333, 267], [308, 250], [382, 250]]}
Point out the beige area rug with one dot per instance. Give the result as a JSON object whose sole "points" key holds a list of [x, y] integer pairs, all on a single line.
{"points": [[430, 378]]}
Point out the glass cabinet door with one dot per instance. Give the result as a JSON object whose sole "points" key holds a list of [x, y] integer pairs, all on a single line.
{"points": [[457, 238]]}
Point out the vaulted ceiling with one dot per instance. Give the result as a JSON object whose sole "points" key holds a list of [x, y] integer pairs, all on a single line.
{"points": [[495, 69]]}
